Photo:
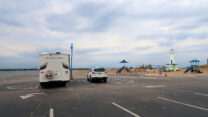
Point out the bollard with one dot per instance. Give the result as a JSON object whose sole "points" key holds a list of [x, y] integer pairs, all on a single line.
{"points": [[166, 75], [71, 77]]}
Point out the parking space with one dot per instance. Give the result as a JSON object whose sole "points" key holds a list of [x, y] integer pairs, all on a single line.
{"points": [[123, 95]]}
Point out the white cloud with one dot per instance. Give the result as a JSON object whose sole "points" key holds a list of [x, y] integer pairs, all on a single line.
{"points": [[107, 30], [191, 43]]}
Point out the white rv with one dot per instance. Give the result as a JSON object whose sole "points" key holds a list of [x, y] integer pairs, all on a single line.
{"points": [[54, 67]]}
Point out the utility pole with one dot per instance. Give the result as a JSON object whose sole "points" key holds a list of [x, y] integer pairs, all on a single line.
{"points": [[71, 77]]}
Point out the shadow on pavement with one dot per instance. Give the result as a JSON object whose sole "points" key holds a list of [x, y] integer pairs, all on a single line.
{"points": [[52, 85]]}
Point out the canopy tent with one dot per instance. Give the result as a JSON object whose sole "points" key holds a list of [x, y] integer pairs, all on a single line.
{"points": [[124, 67], [123, 61]]}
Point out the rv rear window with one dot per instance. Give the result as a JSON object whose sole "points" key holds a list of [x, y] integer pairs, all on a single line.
{"points": [[65, 66], [43, 66]]}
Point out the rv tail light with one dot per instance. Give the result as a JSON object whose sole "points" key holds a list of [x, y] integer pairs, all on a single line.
{"points": [[66, 71], [49, 74], [93, 72]]}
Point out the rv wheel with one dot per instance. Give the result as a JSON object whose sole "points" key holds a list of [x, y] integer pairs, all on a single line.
{"points": [[42, 84], [64, 83]]}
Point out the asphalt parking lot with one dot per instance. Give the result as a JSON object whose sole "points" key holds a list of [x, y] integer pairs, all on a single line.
{"points": [[121, 96]]}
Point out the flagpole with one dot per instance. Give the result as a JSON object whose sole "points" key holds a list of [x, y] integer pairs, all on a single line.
{"points": [[71, 77]]}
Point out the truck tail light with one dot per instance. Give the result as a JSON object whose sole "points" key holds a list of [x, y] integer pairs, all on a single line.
{"points": [[42, 72], [93, 72]]}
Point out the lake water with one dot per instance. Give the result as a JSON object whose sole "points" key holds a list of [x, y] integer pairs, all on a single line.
{"points": [[18, 73]]}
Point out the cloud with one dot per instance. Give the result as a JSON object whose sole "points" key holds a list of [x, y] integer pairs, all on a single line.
{"points": [[103, 32]]}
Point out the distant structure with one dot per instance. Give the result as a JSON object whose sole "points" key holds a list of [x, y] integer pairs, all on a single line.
{"points": [[195, 67], [207, 61], [172, 66], [124, 67]]}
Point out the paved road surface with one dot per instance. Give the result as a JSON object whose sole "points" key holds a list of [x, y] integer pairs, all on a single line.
{"points": [[121, 96]]}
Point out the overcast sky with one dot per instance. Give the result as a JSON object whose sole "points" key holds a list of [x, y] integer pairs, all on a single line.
{"points": [[103, 32]]}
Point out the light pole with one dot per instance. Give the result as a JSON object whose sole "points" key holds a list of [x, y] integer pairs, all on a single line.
{"points": [[71, 77]]}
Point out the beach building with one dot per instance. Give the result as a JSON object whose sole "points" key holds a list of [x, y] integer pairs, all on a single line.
{"points": [[207, 61]]}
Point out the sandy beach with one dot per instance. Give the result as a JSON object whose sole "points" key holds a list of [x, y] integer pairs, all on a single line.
{"points": [[152, 73]]}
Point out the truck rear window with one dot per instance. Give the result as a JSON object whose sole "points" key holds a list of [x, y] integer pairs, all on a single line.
{"points": [[99, 70]]}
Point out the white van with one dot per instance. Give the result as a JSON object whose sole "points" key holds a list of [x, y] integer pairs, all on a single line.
{"points": [[54, 67]]}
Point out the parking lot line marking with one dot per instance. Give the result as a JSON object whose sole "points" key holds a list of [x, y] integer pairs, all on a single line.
{"points": [[11, 87], [135, 115], [189, 105], [51, 112], [154, 86], [26, 96], [37, 86], [16, 87], [29, 95], [201, 94]]}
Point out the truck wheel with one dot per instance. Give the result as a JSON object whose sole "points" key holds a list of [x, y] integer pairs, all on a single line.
{"points": [[105, 80], [87, 79], [90, 79]]}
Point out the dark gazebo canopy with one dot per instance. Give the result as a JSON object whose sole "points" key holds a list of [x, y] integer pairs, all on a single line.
{"points": [[123, 61], [195, 60]]}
